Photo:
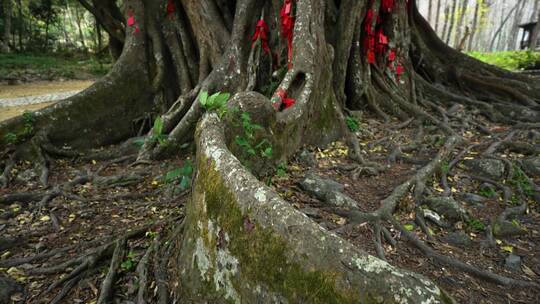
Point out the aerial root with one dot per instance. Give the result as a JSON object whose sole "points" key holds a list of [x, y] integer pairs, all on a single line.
{"points": [[108, 282]]}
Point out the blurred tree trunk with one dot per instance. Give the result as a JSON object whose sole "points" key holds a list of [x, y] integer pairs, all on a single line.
{"points": [[445, 26], [452, 21], [501, 26], [514, 31], [460, 21], [20, 25], [430, 11], [536, 31], [437, 16], [98, 36], [474, 24], [7, 26], [78, 19]]}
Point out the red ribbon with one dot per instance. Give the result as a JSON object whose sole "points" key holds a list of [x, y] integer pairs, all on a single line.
{"points": [[371, 57], [131, 19], [261, 32], [391, 55], [287, 102], [399, 70], [287, 27], [171, 8], [387, 5]]}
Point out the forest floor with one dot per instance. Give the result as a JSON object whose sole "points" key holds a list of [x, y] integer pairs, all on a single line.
{"points": [[39, 236]]}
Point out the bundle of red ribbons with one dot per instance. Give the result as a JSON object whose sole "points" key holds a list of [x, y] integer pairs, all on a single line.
{"points": [[261, 32], [376, 43], [285, 100], [171, 8], [287, 27]]}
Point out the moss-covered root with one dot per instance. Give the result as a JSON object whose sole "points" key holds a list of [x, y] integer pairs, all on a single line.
{"points": [[244, 244]]}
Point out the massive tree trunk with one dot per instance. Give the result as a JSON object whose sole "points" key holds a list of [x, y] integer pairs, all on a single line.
{"points": [[240, 240]]}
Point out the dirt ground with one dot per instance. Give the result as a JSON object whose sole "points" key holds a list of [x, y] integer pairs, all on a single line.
{"points": [[369, 190], [35, 89], [42, 88]]}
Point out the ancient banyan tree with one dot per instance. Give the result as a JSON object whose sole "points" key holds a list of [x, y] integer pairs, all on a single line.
{"points": [[295, 67]]}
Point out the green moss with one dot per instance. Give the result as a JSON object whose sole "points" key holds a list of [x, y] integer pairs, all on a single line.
{"points": [[263, 255]]}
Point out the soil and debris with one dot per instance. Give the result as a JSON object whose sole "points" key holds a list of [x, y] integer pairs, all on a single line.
{"points": [[481, 207], [44, 240]]}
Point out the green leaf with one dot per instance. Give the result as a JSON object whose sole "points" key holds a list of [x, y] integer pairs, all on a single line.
{"points": [[352, 123], [139, 142], [267, 152], [203, 98], [185, 183], [221, 99], [158, 127], [187, 169], [173, 175], [409, 227]]}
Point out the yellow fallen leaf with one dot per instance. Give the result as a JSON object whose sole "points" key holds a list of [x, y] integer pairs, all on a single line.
{"points": [[17, 274], [508, 248], [94, 162], [45, 218]]}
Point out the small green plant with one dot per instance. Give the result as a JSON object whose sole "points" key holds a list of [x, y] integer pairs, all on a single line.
{"points": [[439, 142], [157, 132], [129, 263], [475, 224], [245, 141], [352, 123], [445, 167], [29, 120], [487, 192], [215, 102], [11, 138], [181, 175], [520, 180], [281, 170]]}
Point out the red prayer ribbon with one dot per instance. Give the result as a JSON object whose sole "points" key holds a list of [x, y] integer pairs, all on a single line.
{"points": [[287, 27], [131, 19], [387, 5], [287, 102], [171, 8], [391, 55], [399, 70], [261, 32]]}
